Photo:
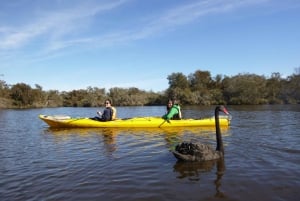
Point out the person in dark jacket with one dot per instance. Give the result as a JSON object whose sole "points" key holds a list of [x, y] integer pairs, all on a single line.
{"points": [[108, 114]]}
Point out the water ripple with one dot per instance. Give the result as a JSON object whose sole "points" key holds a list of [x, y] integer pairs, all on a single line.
{"points": [[261, 159]]}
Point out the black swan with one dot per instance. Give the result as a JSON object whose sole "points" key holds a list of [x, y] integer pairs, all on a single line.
{"points": [[188, 151]]}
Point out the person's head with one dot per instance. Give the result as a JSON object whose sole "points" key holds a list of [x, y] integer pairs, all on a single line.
{"points": [[107, 103], [170, 103]]}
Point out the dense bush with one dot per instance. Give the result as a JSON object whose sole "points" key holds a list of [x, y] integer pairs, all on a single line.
{"points": [[198, 88]]}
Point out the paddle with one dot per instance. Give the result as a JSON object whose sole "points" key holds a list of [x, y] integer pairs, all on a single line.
{"points": [[164, 122]]}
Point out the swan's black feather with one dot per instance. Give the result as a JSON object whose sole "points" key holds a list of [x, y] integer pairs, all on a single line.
{"points": [[189, 151]]}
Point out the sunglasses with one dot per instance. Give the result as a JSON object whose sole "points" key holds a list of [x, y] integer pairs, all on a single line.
{"points": [[106, 103]]}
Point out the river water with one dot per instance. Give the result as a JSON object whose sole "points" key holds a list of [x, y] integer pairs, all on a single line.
{"points": [[262, 157]]}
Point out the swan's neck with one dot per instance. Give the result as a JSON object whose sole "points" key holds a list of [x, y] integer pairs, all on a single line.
{"points": [[218, 133]]}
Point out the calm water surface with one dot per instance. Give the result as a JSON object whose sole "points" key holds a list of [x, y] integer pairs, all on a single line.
{"points": [[262, 160]]}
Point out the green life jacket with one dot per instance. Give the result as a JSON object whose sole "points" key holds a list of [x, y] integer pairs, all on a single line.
{"points": [[174, 113]]}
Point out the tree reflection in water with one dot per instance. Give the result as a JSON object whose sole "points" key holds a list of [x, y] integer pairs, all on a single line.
{"points": [[193, 170]]}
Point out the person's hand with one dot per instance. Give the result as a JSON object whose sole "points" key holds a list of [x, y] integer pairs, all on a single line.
{"points": [[99, 113]]}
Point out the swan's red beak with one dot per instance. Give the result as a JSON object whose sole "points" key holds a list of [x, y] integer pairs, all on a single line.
{"points": [[225, 111]]}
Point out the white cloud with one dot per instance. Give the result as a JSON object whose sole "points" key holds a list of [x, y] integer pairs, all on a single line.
{"points": [[171, 18], [54, 24], [62, 28]]}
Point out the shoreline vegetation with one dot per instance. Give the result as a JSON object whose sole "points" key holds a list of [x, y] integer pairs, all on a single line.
{"points": [[198, 88]]}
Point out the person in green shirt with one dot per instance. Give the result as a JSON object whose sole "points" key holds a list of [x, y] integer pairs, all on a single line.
{"points": [[173, 111]]}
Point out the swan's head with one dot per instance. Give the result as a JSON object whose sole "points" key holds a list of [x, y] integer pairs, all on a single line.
{"points": [[222, 109]]}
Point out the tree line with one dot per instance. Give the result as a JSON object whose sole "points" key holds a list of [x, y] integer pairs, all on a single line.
{"points": [[198, 88]]}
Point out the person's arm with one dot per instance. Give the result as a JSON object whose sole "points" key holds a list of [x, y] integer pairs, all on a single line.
{"points": [[104, 115], [171, 113]]}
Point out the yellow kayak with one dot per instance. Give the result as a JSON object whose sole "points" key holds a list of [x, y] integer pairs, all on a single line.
{"points": [[59, 121]]}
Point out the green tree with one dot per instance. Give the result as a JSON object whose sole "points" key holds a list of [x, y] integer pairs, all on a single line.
{"points": [[274, 88], [198, 88], [130, 96], [54, 99], [217, 91], [22, 95], [179, 87], [291, 88], [76, 98], [201, 85], [137, 96], [200, 80], [5, 100], [245, 89], [39, 96], [4, 89], [95, 97], [119, 96]]}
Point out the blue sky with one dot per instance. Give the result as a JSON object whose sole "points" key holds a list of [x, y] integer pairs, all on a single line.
{"points": [[74, 44]]}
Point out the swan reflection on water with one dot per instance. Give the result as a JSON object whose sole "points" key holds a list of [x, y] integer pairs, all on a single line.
{"points": [[193, 170]]}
